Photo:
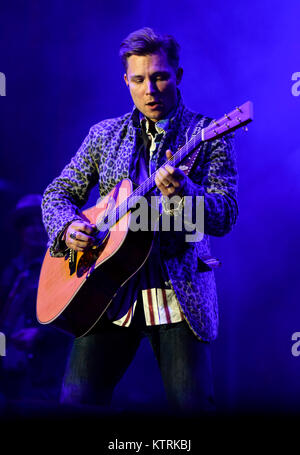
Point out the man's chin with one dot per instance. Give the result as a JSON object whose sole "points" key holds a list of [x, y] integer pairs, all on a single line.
{"points": [[155, 115]]}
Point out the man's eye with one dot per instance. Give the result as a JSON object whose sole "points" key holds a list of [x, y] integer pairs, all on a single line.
{"points": [[161, 78]]}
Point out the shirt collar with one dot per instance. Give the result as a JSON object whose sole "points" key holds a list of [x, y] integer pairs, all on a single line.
{"points": [[160, 127], [163, 124]]}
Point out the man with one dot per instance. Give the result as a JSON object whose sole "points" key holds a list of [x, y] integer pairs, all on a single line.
{"points": [[172, 298]]}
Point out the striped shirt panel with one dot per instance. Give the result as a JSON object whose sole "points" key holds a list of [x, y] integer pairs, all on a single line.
{"points": [[160, 307]]}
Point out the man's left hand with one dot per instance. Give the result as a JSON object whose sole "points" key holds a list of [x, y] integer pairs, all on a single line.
{"points": [[170, 180]]}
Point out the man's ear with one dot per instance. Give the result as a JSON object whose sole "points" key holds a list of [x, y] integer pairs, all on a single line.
{"points": [[126, 80], [179, 74]]}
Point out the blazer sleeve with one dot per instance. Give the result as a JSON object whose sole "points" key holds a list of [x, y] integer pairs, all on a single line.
{"points": [[64, 197]]}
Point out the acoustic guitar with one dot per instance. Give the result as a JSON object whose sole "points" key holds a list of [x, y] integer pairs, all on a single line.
{"points": [[75, 291]]}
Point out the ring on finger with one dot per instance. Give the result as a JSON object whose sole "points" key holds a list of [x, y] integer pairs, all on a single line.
{"points": [[73, 235]]}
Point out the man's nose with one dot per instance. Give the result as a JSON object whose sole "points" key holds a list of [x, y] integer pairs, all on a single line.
{"points": [[150, 87]]}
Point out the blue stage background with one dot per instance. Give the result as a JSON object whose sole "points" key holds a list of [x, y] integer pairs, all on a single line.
{"points": [[63, 75]]}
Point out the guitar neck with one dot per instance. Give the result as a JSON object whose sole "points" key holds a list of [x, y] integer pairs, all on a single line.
{"points": [[238, 118], [216, 129]]}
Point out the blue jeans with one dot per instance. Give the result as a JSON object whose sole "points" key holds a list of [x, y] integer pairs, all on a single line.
{"points": [[98, 361]]}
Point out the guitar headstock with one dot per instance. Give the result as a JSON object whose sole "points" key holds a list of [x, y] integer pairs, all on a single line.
{"points": [[239, 117]]}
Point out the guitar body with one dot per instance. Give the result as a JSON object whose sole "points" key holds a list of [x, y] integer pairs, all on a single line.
{"points": [[75, 302]]}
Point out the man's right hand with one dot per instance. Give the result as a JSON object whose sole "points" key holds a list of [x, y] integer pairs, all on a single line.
{"points": [[79, 235]]}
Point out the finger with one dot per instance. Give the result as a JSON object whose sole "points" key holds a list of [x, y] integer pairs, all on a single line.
{"points": [[83, 226], [78, 246], [166, 190], [170, 169], [78, 241], [162, 182], [80, 231], [74, 245], [81, 237], [163, 176], [168, 177], [172, 172], [169, 154], [175, 174]]}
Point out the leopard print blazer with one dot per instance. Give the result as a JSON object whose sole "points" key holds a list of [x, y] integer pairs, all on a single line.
{"points": [[104, 159]]}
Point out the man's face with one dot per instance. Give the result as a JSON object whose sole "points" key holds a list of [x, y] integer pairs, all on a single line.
{"points": [[152, 82]]}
